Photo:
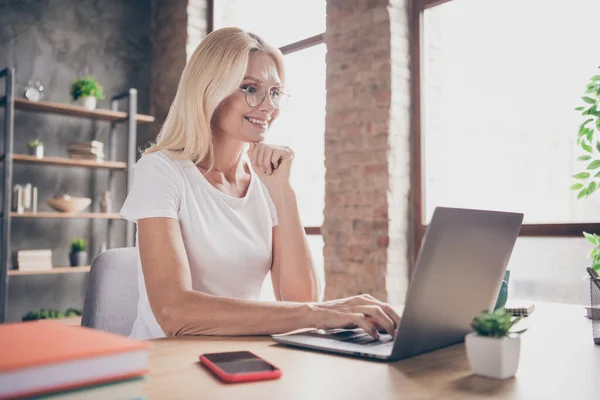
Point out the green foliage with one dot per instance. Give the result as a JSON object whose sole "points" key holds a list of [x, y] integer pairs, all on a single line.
{"points": [[87, 86], [51, 314], [78, 244], [34, 143], [586, 139], [594, 254], [494, 324]]}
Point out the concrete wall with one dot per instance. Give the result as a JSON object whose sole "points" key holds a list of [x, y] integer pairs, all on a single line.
{"points": [[56, 42]]}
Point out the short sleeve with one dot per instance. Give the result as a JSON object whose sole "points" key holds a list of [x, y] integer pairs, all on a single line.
{"points": [[156, 189]]}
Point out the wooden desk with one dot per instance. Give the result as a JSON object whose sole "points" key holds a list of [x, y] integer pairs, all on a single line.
{"points": [[558, 361]]}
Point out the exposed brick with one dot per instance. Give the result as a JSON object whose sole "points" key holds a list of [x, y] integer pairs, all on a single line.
{"points": [[178, 27], [366, 183]]}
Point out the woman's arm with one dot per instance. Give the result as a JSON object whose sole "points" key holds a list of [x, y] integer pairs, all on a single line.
{"points": [[293, 272], [179, 310]]}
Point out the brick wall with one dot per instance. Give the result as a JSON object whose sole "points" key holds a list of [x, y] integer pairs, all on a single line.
{"points": [[366, 149], [178, 26]]}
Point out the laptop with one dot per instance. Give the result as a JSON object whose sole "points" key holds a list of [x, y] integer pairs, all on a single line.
{"points": [[458, 274]]}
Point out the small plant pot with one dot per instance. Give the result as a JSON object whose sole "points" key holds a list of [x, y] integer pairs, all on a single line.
{"points": [[88, 102], [37, 151], [78, 259], [491, 357]]}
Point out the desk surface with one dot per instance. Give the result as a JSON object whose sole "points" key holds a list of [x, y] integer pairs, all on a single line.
{"points": [[558, 361]]}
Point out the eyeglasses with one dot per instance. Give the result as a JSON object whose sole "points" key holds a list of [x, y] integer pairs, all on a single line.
{"points": [[256, 93]]}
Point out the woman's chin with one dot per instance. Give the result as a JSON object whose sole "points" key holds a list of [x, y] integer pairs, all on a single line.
{"points": [[255, 136]]}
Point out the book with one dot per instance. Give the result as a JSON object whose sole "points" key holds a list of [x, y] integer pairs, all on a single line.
{"points": [[45, 356], [523, 310]]}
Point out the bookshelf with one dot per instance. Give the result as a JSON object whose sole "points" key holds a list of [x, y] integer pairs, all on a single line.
{"points": [[54, 270], [114, 116]]}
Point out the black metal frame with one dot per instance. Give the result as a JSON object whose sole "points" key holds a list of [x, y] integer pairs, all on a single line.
{"points": [[7, 175]]}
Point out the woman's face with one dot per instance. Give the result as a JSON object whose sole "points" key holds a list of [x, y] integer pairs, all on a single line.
{"points": [[235, 118]]}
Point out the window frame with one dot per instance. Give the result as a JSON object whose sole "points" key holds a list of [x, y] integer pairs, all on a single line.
{"points": [[416, 23], [289, 48]]}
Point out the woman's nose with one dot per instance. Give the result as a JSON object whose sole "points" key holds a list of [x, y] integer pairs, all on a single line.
{"points": [[267, 105]]}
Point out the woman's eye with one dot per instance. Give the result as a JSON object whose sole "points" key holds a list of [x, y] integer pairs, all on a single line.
{"points": [[249, 88], [275, 93]]}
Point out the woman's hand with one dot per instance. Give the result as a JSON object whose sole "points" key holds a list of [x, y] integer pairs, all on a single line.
{"points": [[363, 311], [271, 163]]}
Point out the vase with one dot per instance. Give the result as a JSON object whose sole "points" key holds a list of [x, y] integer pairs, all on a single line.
{"points": [[37, 151], [503, 294], [78, 259], [88, 102], [493, 357]]}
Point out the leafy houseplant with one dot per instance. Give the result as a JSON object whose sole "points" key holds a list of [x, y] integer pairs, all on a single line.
{"points": [[78, 255], [493, 350], [35, 147], [50, 314], [87, 90], [588, 181]]}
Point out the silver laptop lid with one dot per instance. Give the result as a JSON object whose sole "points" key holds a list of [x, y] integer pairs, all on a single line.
{"points": [[457, 275]]}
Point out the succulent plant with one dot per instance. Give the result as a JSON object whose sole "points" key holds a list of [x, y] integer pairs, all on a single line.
{"points": [[35, 143], [86, 86], [495, 324], [78, 244]]}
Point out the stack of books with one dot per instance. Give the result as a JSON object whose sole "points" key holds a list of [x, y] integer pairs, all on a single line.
{"points": [[93, 150], [34, 260], [45, 357]]}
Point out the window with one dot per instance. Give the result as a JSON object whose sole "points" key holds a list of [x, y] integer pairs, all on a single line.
{"points": [[297, 29], [500, 83]]}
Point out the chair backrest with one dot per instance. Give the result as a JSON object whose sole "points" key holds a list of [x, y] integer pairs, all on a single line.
{"points": [[112, 291]]}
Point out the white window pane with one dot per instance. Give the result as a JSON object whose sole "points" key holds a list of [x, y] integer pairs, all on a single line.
{"points": [[501, 81], [301, 126], [279, 22], [549, 270]]}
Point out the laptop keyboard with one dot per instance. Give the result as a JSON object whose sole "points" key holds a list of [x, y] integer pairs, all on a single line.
{"points": [[350, 336]]}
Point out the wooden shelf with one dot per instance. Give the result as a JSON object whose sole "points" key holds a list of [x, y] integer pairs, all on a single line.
{"points": [[54, 270], [68, 162], [61, 215], [74, 110]]}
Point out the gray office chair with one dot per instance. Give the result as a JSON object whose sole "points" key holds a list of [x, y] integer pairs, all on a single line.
{"points": [[112, 292]]}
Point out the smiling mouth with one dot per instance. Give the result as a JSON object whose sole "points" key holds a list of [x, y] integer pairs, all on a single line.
{"points": [[258, 122]]}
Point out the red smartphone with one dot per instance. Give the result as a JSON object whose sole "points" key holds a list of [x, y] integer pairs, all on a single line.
{"points": [[239, 366]]}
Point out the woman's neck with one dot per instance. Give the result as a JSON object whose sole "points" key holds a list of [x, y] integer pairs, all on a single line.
{"points": [[228, 159]]}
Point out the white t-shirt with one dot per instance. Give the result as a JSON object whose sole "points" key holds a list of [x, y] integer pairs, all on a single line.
{"points": [[228, 240]]}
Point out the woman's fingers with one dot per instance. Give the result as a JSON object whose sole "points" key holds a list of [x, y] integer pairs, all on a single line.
{"points": [[266, 160], [367, 299], [361, 321], [275, 159], [379, 316]]}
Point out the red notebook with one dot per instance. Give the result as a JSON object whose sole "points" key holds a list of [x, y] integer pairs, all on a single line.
{"points": [[45, 356]]}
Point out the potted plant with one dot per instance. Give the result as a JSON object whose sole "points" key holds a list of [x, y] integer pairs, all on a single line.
{"points": [[35, 147], [87, 90], [78, 255], [493, 351], [588, 181]]}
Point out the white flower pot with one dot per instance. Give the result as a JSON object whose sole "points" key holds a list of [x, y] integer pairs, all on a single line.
{"points": [[493, 357], [88, 102]]}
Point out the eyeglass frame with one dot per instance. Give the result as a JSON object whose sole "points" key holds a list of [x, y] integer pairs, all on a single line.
{"points": [[281, 92]]}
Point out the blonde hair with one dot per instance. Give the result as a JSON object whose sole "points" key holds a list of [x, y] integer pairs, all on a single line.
{"points": [[213, 73]]}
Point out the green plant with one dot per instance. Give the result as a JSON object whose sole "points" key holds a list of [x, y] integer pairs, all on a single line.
{"points": [[78, 244], [494, 324], [586, 182], [51, 314], [594, 253], [42, 314], [35, 143], [86, 86]]}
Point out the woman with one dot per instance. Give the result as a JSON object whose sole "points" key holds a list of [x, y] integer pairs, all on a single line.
{"points": [[210, 226]]}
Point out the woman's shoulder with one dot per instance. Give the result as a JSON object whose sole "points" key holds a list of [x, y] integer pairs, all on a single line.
{"points": [[160, 162]]}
